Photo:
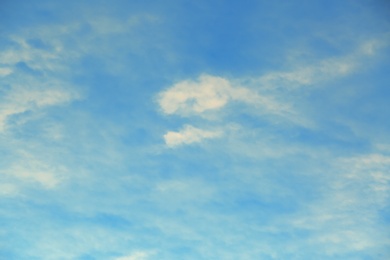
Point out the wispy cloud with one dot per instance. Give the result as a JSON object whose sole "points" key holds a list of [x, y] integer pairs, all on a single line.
{"points": [[189, 135], [371, 171], [21, 99], [322, 70], [27, 168], [35, 72], [346, 218], [139, 255], [5, 71]]}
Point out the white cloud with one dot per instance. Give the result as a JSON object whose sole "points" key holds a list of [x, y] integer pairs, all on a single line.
{"points": [[191, 97], [5, 71], [372, 170], [29, 92], [323, 70], [43, 176], [211, 93], [196, 97], [345, 217], [140, 255], [188, 135], [22, 99], [30, 169], [207, 93], [51, 58], [306, 76]]}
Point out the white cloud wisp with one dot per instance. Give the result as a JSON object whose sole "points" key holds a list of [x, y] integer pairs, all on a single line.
{"points": [[322, 70], [21, 99], [188, 135]]}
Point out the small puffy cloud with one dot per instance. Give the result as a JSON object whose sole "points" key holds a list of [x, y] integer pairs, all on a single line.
{"points": [[211, 93], [207, 93], [196, 96], [188, 135]]}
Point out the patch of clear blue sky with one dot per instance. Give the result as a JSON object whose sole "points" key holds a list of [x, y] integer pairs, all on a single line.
{"points": [[269, 188]]}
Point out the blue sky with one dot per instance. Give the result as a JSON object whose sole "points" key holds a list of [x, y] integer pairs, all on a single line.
{"points": [[194, 129]]}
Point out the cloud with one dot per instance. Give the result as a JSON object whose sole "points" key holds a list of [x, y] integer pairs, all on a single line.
{"points": [[21, 99], [371, 170], [25, 50], [34, 68], [266, 93], [188, 135], [323, 70], [140, 255], [208, 93], [42, 176], [28, 168], [345, 218], [196, 97], [5, 71]]}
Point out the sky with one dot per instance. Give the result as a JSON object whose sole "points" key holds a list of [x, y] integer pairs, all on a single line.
{"points": [[208, 129]]}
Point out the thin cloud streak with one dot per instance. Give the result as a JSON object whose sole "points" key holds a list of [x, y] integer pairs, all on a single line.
{"points": [[189, 135], [323, 70], [140, 255]]}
